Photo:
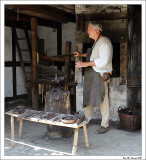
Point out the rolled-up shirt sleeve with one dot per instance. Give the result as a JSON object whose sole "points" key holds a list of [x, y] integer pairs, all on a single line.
{"points": [[104, 56]]}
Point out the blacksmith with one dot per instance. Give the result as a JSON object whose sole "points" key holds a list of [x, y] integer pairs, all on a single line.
{"points": [[98, 62]]}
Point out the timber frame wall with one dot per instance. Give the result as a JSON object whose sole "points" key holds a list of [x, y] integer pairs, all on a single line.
{"points": [[14, 64]]}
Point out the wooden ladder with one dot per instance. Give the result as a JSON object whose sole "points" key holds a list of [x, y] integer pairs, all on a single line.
{"points": [[21, 51]]}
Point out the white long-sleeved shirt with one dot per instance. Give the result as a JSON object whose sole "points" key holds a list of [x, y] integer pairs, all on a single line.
{"points": [[102, 54]]}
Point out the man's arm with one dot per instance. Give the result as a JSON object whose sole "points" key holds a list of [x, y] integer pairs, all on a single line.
{"points": [[84, 64]]}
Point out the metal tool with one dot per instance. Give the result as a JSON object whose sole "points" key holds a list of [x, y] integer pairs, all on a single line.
{"points": [[31, 114], [80, 117], [50, 115]]}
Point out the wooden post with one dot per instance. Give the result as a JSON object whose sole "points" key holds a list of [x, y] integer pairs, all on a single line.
{"points": [[82, 22], [59, 42], [34, 61], [75, 143], [14, 61], [12, 132], [68, 58], [20, 127], [74, 98]]}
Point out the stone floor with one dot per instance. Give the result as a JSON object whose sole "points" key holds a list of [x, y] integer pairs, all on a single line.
{"points": [[117, 143]]}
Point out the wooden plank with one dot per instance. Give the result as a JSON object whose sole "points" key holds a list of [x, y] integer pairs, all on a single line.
{"points": [[8, 99], [66, 8], [12, 132], [16, 64], [34, 59], [51, 58]]}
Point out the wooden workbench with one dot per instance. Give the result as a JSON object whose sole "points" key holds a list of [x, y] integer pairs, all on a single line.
{"points": [[50, 121]]}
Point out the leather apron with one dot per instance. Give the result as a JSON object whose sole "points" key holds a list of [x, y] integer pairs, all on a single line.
{"points": [[94, 89]]}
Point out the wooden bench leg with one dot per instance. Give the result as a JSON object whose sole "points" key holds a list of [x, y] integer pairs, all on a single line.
{"points": [[86, 136], [75, 143], [20, 127], [12, 132]]}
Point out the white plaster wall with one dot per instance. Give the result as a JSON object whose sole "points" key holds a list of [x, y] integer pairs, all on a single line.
{"points": [[50, 45], [8, 57], [8, 44], [68, 34], [50, 39], [20, 84], [8, 82]]}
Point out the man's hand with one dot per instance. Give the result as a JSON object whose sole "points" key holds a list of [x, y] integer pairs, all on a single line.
{"points": [[81, 64], [77, 54]]}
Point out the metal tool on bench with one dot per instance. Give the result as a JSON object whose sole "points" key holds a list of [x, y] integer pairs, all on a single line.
{"points": [[49, 115], [19, 110], [80, 117], [21, 116], [58, 118], [28, 114]]}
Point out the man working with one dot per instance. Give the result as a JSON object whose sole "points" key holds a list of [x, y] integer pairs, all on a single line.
{"points": [[95, 88]]}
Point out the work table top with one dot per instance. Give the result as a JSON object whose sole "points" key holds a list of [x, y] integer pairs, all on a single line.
{"points": [[37, 118]]}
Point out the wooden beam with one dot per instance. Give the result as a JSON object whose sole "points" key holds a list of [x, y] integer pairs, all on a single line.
{"points": [[14, 60], [123, 63], [12, 16], [16, 64], [34, 59], [51, 58], [59, 42], [8, 99], [45, 11], [66, 8], [68, 59]]}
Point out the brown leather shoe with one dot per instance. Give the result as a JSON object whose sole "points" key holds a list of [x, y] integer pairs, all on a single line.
{"points": [[101, 130]]}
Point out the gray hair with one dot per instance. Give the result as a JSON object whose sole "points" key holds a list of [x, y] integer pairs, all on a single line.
{"points": [[96, 25]]}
